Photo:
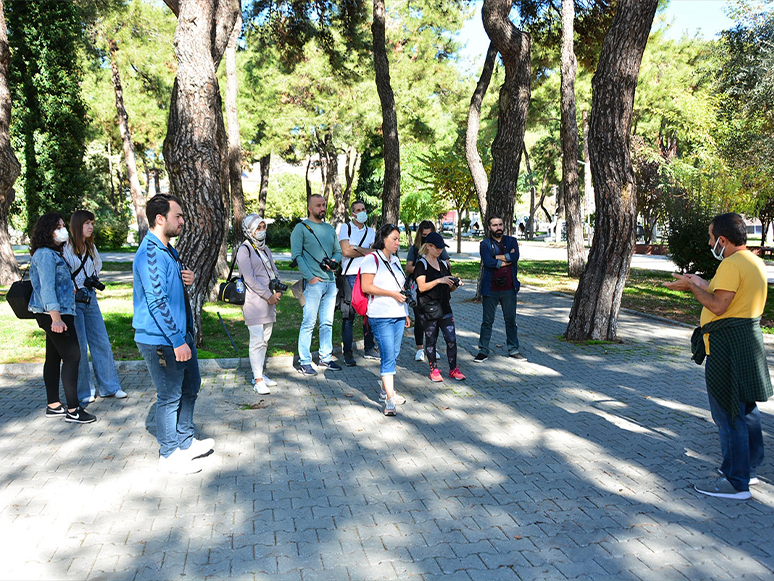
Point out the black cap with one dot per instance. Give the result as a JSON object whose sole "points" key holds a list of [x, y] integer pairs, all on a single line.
{"points": [[436, 240]]}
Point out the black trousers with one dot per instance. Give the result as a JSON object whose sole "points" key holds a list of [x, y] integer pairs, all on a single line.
{"points": [[61, 349]]}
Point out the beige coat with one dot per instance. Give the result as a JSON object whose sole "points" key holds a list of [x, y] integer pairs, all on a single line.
{"points": [[256, 310]]}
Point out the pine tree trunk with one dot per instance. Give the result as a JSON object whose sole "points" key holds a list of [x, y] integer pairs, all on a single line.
{"points": [[514, 47], [339, 215], [530, 230], [391, 192], [594, 314], [264, 164], [349, 176], [576, 253], [234, 141], [476, 166], [195, 149], [10, 168], [126, 138]]}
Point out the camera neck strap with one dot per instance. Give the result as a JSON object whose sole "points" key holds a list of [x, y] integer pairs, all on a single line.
{"points": [[266, 263], [349, 231], [83, 258], [387, 264], [316, 238]]}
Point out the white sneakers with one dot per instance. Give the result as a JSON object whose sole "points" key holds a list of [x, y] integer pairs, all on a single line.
{"points": [[181, 461], [269, 382], [420, 356], [261, 388]]}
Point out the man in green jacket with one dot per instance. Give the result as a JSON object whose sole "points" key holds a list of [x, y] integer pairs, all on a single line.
{"points": [[736, 371], [315, 247]]}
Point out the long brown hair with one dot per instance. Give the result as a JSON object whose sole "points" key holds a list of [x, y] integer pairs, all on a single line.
{"points": [[423, 225], [80, 244]]}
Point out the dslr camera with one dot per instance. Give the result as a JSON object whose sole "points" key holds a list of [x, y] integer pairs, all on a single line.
{"points": [[329, 263], [456, 280], [410, 300], [92, 282], [83, 296], [277, 286]]}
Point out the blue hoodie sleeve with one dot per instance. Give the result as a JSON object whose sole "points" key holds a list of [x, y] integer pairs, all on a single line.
{"points": [[513, 255], [152, 267]]}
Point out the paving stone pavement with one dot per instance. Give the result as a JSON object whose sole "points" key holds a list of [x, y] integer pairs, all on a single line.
{"points": [[577, 464]]}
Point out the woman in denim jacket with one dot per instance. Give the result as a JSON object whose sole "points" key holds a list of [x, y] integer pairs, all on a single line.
{"points": [[85, 263], [53, 302]]}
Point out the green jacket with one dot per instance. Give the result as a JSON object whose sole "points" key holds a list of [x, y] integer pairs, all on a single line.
{"points": [[309, 251], [736, 368]]}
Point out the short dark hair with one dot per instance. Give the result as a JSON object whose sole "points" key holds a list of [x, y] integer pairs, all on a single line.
{"points": [[731, 226], [353, 204], [43, 232], [494, 217], [158, 205], [381, 234]]}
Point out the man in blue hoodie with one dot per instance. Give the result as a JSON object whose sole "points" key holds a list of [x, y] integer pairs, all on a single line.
{"points": [[163, 327]]}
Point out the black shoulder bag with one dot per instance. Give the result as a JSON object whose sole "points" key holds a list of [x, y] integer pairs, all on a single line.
{"points": [[432, 309], [233, 290], [19, 296]]}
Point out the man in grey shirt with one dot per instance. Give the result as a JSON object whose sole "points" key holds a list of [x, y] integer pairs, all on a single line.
{"points": [[315, 247]]}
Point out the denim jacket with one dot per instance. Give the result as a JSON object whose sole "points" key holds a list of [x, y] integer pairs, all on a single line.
{"points": [[52, 287]]}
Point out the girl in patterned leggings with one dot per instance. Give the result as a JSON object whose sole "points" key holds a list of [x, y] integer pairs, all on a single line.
{"points": [[435, 285]]}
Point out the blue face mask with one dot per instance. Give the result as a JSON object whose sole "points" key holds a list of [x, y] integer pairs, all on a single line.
{"points": [[715, 253], [361, 217]]}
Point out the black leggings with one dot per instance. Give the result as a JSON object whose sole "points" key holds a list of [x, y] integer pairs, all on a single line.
{"points": [[446, 326], [61, 348], [419, 328]]}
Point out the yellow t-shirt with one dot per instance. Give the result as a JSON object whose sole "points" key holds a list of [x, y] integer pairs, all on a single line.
{"points": [[744, 274]]}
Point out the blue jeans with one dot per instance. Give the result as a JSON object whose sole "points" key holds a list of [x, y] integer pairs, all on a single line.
{"points": [[347, 324], [320, 299], [741, 442], [177, 385], [508, 301], [389, 335], [93, 337]]}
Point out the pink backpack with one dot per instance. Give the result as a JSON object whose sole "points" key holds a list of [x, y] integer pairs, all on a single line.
{"points": [[359, 298]]}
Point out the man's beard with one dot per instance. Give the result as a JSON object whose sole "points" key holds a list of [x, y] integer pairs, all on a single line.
{"points": [[498, 233], [320, 215], [171, 231]]}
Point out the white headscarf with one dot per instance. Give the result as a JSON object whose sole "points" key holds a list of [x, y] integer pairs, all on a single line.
{"points": [[249, 224]]}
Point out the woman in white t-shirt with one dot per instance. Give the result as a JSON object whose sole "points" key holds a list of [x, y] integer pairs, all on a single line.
{"points": [[382, 279]]}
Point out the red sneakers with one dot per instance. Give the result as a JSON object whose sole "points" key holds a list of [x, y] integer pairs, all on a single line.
{"points": [[456, 374], [435, 375]]}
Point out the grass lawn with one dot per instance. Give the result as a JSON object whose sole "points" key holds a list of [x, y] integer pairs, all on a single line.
{"points": [[23, 341]]}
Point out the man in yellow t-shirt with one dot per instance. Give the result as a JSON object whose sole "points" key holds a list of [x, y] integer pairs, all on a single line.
{"points": [[736, 372]]}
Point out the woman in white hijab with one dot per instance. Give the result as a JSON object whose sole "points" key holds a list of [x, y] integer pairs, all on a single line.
{"points": [[258, 270]]}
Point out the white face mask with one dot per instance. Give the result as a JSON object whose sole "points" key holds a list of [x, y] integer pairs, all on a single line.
{"points": [[715, 253], [361, 217], [61, 235], [260, 236]]}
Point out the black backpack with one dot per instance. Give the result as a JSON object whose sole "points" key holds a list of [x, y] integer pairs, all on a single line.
{"points": [[19, 296]]}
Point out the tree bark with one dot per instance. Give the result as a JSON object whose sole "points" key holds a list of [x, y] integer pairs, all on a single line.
{"points": [[476, 166], [340, 212], [195, 148], [10, 168], [349, 175], [391, 191], [576, 253], [234, 141], [530, 230], [138, 199], [306, 180], [264, 164], [594, 314], [514, 47]]}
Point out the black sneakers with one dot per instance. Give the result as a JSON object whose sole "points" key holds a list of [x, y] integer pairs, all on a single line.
{"points": [[329, 365], [480, 358], [58, 412], [80, 416]]}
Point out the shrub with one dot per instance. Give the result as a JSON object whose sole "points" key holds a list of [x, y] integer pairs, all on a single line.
{"points": [[278, 234], [688, 235], [110, 234]]}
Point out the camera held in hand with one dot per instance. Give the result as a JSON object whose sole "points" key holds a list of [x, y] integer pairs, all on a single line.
{"points": [[410, 300], [93, 282], [82, 295], [456, 280], [329, 263], [277, 286]]}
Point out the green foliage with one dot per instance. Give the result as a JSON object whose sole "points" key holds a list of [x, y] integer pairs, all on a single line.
{"points": [[110, 233], [278, 234], [286, 197], [49, 122]]}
